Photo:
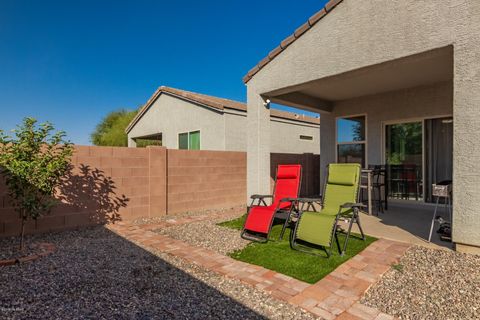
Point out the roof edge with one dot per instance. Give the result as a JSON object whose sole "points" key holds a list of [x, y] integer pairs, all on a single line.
{"points": [[188, 96], [214, 105], [291, 38]]}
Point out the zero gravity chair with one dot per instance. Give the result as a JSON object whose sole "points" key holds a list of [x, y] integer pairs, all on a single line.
{"points": [[260, 216], [340, 201]]}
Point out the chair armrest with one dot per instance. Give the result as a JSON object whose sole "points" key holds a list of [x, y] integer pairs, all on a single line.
{"points": [[260, 196], [352, 205], [309, 199]]}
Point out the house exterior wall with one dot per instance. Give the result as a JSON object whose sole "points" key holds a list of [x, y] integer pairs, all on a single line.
{"points": [[170, 116], [416, 103], [235, 131], [359, 34], [225, 131], [285, 137]]}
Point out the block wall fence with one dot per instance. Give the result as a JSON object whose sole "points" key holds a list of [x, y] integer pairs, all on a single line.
{"points": [[108, 184]]}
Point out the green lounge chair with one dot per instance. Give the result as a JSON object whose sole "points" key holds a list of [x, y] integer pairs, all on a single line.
{"points": [[340, 201]]}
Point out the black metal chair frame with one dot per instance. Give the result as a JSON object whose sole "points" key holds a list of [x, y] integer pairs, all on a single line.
{"points": [[278, 213]]}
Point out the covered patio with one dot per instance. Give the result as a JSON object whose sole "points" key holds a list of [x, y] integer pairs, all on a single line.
{"points": [[405, 105]]}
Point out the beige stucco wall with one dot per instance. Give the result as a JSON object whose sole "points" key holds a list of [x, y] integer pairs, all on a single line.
{"points": [[218, 130], [417, 103], [285, 137], [358, 34], [235, 131], [170, 116]]}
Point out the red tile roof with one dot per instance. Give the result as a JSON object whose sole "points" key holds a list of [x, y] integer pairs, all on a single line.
{"points": [[291, 38], [215, 103]]}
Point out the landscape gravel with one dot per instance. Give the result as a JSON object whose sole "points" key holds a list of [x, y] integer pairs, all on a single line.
{"points": [[10, 248], [94, 273], [429, 284], [228, 213], [207, 234]]}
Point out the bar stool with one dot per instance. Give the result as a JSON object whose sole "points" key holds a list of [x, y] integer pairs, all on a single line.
{"points": [[378, 186]]}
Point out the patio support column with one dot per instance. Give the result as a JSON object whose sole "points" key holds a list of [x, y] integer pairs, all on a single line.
{"points": [[258, 145], [466, 137], [327, 144], [132, 143]]}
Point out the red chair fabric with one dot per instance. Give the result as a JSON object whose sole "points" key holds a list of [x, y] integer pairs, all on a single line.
{"points": [[287, 185]]}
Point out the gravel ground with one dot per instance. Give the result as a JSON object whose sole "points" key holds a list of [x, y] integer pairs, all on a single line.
{"points": [[207, 234], [228, 212], [96, 274], [430, 284], [10, 249]]}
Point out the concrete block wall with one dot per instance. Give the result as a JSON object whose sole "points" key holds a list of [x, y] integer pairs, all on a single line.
{"points": [[108, 184], [205, 180]]}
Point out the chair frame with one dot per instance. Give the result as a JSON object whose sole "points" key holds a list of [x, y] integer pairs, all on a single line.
{"points": [[354, 218], [261, 202]]}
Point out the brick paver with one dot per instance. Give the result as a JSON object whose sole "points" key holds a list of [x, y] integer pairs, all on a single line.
{"points": [[335, 296]]}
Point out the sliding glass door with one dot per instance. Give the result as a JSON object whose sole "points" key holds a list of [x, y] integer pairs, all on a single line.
{"points": [[404, 159], [438, 153]]}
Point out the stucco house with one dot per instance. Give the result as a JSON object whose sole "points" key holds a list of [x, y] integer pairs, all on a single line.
{"points": [[187, 120], [373, 69]]}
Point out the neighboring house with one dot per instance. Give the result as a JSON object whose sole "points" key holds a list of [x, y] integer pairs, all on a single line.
{"points": [[187, 120], [395, 82]]}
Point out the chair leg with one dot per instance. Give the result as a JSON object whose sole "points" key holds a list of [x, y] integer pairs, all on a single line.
{"points": [[327, 252], [283, 228], [347, 236], [338, 243], [357, 221]]}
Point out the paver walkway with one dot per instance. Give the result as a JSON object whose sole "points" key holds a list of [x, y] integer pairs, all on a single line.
{"points": [[336, 296]]}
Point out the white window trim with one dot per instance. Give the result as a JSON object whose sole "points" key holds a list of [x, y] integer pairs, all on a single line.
{"points": [[364, 142]]}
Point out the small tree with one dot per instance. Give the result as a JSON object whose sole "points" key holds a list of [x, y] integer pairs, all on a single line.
{"points": [[111, 129], [33, 163]]}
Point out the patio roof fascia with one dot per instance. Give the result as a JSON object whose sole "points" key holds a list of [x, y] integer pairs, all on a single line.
{"points": [[302, 101]]}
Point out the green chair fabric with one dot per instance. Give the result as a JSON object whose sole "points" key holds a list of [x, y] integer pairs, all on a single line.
{"points": [[316, 228], [342, 187]]}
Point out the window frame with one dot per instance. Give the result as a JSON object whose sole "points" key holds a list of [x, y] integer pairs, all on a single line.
{"points": [[199, 140], [188, 139], [362, 142]]}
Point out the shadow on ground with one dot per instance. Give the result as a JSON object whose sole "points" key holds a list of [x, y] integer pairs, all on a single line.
{"points": [[97, 274]]}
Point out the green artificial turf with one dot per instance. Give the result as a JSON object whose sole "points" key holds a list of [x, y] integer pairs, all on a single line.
{"points": [[278, 256]]}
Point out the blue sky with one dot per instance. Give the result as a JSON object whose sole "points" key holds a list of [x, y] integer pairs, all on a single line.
{"points": [[72, 62]]}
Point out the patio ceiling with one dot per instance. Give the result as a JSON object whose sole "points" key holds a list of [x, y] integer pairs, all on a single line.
{"points": [[416, 70]]}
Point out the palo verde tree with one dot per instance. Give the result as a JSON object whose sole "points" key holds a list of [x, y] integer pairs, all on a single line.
{"points": [[33, 162]]}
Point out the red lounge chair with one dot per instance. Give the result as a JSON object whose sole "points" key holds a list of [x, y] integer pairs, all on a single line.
{"points": [[260, 217]]}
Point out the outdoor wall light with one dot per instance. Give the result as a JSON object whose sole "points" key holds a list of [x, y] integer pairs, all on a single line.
{"points": [[266, 104]]}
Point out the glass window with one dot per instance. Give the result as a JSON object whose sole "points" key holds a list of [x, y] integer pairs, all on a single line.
{"points": [[351, 139], [183, 141], [351, 153], [189, 140], [194, 140], [351, 129]]}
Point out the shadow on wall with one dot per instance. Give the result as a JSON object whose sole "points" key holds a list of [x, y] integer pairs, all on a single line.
{"points": [[90, 191], [310, 170]]}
